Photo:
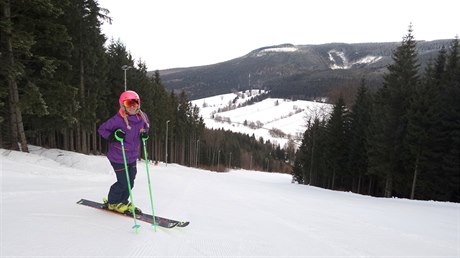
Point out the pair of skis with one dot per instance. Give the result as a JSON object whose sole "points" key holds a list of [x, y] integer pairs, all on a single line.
{"points": [[152, 219]]}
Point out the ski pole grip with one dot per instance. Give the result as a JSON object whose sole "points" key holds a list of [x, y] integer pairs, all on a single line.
{"points": [[119, 135]]}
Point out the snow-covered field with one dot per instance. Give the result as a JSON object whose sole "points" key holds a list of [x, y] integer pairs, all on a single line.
{"points": [[235, 214], [283, 114]]}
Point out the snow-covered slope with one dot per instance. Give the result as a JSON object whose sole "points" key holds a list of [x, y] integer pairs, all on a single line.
{"points": [[340, 61], [235, 214], [290, 117], [277, 49]]}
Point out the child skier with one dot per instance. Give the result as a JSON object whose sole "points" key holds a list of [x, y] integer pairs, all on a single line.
{"points": [[129, 125]]}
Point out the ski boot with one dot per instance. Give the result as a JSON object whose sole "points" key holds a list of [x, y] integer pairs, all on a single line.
{"points": [[118, 207], [130, 208]]}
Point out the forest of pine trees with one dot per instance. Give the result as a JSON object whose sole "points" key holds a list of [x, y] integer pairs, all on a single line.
{"points": [[60, 81], [403, 140]]}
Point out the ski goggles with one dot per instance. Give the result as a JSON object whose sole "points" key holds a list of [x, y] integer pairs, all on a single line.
{"points": [[131, 103]]}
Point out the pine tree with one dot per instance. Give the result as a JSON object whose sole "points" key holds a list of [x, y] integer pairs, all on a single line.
{"points": [[53, 48], [337, 129], [360, 119], [391, 126], [84, 20], [16, 40], [433, 130], [451, 124], [317, 166], [37, 51], [297, 169], [303, 159], [423, 119]]}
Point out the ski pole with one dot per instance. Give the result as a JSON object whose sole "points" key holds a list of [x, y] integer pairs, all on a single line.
{"points": [[136, 226], [150, 185]]}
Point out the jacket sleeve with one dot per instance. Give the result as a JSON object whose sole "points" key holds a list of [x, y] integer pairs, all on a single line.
{"points": [[108, 127]]}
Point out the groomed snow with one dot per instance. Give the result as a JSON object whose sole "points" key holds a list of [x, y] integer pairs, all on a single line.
{"points": [[235, 214]]}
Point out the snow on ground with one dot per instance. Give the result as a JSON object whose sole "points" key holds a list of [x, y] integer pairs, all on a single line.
{"points": [[235, 214], [276, 49], [337, 55], [283, 114]]}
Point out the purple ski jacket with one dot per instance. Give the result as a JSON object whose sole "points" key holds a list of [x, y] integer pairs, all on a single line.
{"points": [[132, 139]]}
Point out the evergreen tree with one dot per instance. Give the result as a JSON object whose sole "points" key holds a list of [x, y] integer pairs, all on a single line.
{"points": [[302, 158], [37, 48], [391, 126], [298, 169], [451, 124], [84, 20], [117, 56], [360, 119], [423, 118], [310, 159], [11, 67], [433, 130], [318, 167], [337, 129]]}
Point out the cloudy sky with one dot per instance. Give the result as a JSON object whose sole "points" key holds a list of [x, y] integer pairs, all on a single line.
{"points": [[183, 33]]}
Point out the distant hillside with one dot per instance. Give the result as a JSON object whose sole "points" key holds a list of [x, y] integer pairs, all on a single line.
{"points": [[294, 71], [252, 113]]}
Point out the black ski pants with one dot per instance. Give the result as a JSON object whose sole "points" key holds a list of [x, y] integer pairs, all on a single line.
{"points": [[119, 191]]}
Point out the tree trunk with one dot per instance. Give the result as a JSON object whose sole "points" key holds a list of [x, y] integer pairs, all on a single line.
{"points": [[369, 189], [359, 184], [99, 144], [13, 124], [312, 163], [65, 138], [182, 158], [81, 129], [171, 151], [1, 136], [93, 139], [388, 185], [52, 140], [72, 140], [333, 180], [78, 138], [151, 148], [412, 193], [85, 139], [17, 126]]}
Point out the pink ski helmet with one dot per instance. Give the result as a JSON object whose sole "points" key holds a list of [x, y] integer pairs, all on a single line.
{"points": [[129, 94]]}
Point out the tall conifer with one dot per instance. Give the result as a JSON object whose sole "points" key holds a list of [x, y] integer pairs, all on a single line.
{"points": [[360, 118], [451, 122], [337, 129], [391, 125]]}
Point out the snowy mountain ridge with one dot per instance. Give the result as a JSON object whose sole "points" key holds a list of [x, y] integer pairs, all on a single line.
{"points": [[277, 49], [299, 71]]}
